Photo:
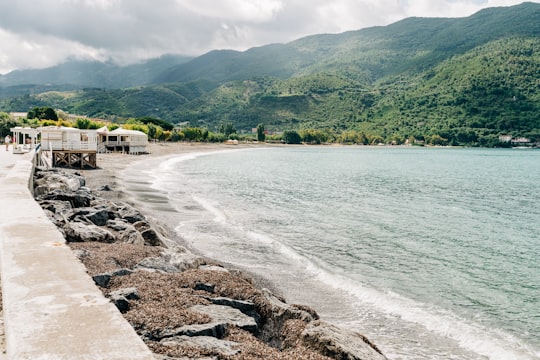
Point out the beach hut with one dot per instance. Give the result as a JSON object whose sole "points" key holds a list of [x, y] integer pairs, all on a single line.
{"points": [[24, 139], [70, 146], [123, 140]]}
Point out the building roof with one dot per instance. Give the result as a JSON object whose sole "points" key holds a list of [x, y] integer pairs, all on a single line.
{"points": [[120, 131]]}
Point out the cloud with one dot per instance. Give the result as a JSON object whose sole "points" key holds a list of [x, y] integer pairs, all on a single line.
{"points": [[41, 33]]}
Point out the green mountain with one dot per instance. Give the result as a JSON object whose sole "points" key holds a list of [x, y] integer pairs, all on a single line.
{"points": [[76, 74], [452, 80]]}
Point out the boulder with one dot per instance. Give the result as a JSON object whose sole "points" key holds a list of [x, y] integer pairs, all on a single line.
{"points": [[222, 317], [130, 293], [247, 307], [121, 303], [338, 343], [209, 344], [105, 187], [158, 264], [103, 280], [151, 237], [120, 298], [76, 199], [228, 316], [182, 259], [96, 216], [129, 213], [131, 236], [79, 232], [274, 315], [49, 181], [119, 225]]}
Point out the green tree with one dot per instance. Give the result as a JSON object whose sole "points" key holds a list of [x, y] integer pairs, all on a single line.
{"points": [[152, 130], [82, 123], [261, 136], [291, 137], [227, 129], [42, 113]]}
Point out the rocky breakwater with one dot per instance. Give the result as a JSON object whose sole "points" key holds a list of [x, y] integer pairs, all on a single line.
{"points": [[182, 305]]}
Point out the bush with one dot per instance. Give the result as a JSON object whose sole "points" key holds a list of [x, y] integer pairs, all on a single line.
{"points": [[291, 137]]}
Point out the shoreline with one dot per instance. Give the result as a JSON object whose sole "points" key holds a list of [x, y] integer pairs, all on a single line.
{"points": [[162, 152], [284, 331]]}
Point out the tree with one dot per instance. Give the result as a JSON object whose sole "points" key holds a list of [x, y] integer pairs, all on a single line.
{"points": [[291, 137], [42, 113], [152, 131], [261, 136], [82, 123], [227, 129]]}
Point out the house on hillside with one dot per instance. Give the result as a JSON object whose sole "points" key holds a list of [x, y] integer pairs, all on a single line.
{"points": [[123, 140]]}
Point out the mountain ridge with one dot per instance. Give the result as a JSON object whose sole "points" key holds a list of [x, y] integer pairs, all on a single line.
{"points": [[393, 82]]}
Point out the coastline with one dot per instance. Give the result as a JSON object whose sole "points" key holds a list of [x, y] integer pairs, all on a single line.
{"points": [[112, 165], [285, 337]]}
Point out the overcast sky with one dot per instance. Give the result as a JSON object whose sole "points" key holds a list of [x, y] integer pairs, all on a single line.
{"points": [[42, 33]]}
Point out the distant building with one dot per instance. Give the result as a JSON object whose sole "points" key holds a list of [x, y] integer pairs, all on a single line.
{"points": [[505, 138], [18, 115], [521, 141]]}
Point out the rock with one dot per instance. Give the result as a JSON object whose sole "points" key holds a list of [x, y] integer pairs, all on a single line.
{"points": [[129, 213], [127, 233], [120, 298], [119, 225], [158, 264], [338, 343], [122, 272], [151, 237], [56, 206], [142, 225], [227, 316], [213, 329], [76, 199], [276, 313], [97, 216], [79, 232], [131, 236], [182, 259], [210, 344], [129, 293], [247, 307], [222, 317], [81, 253], [49, 181], [205, 287], [212, 268], [102, 280], [105, 188], [121, 303]]}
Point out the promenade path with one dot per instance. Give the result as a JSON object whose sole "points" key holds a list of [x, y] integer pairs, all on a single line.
{"points": [[51, 307]]}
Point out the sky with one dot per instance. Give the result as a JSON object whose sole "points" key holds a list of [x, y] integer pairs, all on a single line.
{"points": [[43, 33]]}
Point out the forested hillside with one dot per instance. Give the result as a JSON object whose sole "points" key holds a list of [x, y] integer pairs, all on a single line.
{"points": [[443, 81]]}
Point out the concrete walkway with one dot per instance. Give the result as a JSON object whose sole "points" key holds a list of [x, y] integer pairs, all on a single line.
{"points": [[52, 309]]}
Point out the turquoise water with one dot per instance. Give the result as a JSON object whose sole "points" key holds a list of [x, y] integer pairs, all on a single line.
{"points": [[431, 253]]}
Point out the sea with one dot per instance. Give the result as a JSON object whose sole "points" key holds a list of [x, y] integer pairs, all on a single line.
{"points": [[432, 253]]}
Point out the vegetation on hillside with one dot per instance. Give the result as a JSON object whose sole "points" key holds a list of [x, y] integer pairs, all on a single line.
{"points": [[436, 81]]}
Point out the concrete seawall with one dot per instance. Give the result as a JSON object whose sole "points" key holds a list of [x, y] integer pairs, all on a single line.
{"points": [[52, 308]]}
